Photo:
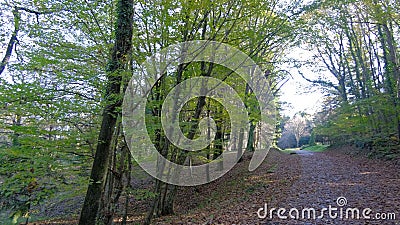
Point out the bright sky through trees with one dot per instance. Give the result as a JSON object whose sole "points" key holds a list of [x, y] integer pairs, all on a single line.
{"points": [[297, 92], [293, 93]]}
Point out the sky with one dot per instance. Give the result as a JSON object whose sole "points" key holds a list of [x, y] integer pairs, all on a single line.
{"points": [[297, 91], [293, 93]]}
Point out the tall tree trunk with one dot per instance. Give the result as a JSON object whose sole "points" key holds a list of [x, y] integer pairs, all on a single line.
{"points": [[172, 190], [219, 139], [161, 187], [240, 145], [119, 58], [106, 200], [127, 188], [164, 201], [250, 139]]}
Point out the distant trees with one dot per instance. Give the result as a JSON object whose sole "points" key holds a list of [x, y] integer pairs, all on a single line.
{"points": [[287, 140], [294, 129], [298, 127]]}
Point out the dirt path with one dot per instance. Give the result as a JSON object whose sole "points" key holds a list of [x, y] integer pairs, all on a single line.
{"points": [[303, 181], [340, 181]]}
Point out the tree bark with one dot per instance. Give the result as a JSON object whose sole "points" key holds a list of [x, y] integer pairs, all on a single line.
{"points": [[119, 58], [250, 139], [240, 145]]}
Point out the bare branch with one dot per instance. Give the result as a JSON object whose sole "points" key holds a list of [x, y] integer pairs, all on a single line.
{"points": [[12, 41]]}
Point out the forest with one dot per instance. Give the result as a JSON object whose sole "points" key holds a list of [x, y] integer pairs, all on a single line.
{"points": [[94, 94]]}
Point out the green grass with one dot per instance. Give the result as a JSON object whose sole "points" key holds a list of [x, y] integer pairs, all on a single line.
{"points": [[290, 150], [316, 148]]}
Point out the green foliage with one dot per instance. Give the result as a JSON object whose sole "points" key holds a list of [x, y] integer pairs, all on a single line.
{"points": [[143, 194], [26, 180], [312, 139], [364, 118], [50, 101], [361, 105]]}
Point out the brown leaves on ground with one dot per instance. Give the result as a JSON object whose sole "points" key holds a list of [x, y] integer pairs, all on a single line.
{"points": [[314, 180], [298, 181], [236, 197]]}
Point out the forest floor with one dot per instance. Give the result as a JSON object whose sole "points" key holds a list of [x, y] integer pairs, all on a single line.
{"points": [[333, 179]]}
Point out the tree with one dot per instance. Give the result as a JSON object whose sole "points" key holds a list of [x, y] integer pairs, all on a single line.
{"points": [[354, 42], [50, 96], [298, 126], [312, 139]]}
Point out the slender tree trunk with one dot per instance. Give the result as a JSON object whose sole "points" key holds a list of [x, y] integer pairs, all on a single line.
{"points": [[208, 147], [127, 189], [250, 139], [119, 58], [219, 138], [18, 123], [106, 204], [171, 190], [240, 145]]}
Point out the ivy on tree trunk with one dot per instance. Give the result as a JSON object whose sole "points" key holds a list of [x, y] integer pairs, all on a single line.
{"points": [[119, 59]]}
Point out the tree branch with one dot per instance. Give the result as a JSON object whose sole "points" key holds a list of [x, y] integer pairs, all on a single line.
{"points": [[319, 82], [13, 39]]}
